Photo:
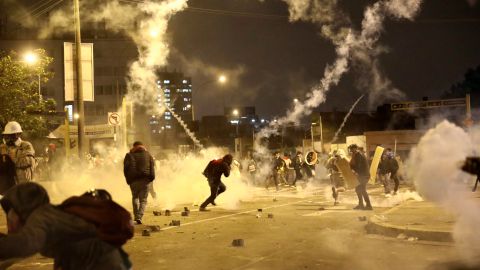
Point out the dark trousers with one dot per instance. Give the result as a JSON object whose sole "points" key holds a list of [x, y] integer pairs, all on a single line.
{"points": [[139, 198], [298, 175], [394, 177], [362, 194], [216, 188]]}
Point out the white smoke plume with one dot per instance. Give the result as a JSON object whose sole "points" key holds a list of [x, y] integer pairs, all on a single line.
{"points": [[335, 137], [352, 46], [185, 127], [434, 165]]}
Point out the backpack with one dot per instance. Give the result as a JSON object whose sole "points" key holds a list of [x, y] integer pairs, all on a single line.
{"points": [[209, 171], [114, 223]]}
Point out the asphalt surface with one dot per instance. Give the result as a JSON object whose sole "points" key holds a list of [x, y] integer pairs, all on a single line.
{"points": [[303, 232]]}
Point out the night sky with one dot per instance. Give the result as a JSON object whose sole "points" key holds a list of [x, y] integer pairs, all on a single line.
{"points": [[276, 61]]}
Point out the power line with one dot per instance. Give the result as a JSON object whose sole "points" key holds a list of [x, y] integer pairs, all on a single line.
{"points": [[48, 9]]}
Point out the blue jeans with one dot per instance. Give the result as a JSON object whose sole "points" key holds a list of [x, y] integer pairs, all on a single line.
{"points": [[139, 198]]}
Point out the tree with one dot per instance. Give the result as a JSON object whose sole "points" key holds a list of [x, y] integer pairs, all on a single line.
{"points": [[470, 84], [19, 97]]}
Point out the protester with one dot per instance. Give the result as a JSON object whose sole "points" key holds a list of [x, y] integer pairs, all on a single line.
{"points": [[359, 165], [392, 167], [139, 171], [21, 152], [213, 172], [298, 166], [7, 170], [383, 174], [336, 178], [36, 226]]}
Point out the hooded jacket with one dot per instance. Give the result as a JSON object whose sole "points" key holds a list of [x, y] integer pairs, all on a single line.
{"points": [[138, 165], [69, 240], [23, 155]]}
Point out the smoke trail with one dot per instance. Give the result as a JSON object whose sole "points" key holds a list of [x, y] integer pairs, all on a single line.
{"points": [[335, 137], [185, 127], [434, 167], [350, 46]]}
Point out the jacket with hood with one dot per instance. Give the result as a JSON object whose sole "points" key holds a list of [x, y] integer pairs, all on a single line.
{"points": [[359, 165], [138, 165], [23, 155], [69, 240]]}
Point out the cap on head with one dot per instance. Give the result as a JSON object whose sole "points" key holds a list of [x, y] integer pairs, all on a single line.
{"points": [[12, 128], [137, 143]]}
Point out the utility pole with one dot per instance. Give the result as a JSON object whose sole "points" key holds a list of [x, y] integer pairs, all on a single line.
{"points": [[79, 96]]}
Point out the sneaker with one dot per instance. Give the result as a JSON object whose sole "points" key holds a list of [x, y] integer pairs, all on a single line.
{"points": [[359, 207], [203, 209], [138, 222], [368, 207]]}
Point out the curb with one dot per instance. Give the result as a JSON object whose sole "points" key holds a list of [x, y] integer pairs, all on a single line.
{"points": [[378, 226]]}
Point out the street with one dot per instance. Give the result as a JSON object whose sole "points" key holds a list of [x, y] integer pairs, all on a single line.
{"points": [[304, 232]]}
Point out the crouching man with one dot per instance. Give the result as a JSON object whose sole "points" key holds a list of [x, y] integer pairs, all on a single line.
{"points": [[36, 226]]}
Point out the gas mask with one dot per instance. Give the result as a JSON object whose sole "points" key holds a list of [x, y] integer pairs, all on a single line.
{"points": [[12, 140]]}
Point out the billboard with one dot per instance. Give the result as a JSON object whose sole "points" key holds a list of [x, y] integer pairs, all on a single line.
{"points": [[87, 71]]}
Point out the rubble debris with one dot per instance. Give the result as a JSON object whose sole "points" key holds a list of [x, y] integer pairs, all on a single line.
{"points": [[185, 213], [363, 218], [270, 215], [260, 210], [321, 209], [157, 213], [145, 233], [168, 213], [238, 243], [154, 228], [411, 239], [175, 223], [402, 236], [186, 209]]}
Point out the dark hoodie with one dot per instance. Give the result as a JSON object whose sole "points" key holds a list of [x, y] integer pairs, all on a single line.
{"points": [[138, 165], [69, 240]]}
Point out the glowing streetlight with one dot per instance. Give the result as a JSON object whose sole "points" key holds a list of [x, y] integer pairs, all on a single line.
{"points": [[76, 116], [153, 33], [31, 59], [295, 100], [235, 112], [222, 79]]}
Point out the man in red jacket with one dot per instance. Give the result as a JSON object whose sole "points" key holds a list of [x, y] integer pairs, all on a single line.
{"points": [[213, 172]]}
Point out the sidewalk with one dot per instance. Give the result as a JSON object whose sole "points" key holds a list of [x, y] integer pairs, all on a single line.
{"points": [[422, 220]]}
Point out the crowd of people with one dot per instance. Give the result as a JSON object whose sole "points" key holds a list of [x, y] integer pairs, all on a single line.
{"points": [[41, 227]]}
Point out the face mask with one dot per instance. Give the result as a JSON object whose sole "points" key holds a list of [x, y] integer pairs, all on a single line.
{"points": [[12, 141]]}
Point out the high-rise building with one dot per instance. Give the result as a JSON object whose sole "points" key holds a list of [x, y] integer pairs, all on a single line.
{"points": [[174, 92]]}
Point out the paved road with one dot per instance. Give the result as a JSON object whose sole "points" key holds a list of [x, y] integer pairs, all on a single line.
{"points": [[306, 232]]}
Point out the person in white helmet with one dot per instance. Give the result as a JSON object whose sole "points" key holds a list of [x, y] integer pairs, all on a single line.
{"points": [[21, 152]]}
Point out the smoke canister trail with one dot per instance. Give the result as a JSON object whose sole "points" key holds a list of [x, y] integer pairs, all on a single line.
{"points": [[185, 127], [335, 137]]}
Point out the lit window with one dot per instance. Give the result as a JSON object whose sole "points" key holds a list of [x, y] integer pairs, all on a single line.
{"points": [[184, 81], [166, 81], [167, 113], [167, 95], [168, 126], [167, 90], [168, 104], [154, 131], [168, 117], [158, 82], [185, 99]]}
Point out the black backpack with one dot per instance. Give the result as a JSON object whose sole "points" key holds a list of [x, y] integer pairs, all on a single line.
{"points": [[210, 169]]}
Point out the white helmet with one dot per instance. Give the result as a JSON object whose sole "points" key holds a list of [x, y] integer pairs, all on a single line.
{"points": [[12, 128]]}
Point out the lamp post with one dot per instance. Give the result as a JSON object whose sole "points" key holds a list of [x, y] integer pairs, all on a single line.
{"points": [[235, 113], [31, 59]]}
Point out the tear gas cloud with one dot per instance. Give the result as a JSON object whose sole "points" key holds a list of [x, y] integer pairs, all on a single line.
{"points": [[179, 180], [434, 165]]}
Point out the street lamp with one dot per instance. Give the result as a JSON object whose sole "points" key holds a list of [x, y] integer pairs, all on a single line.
{"points": [[235, 113], [31, 59], [222, 79], [295, 100]]}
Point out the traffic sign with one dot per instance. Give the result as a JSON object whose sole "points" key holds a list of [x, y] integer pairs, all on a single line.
{"points": [[113, 118]]}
